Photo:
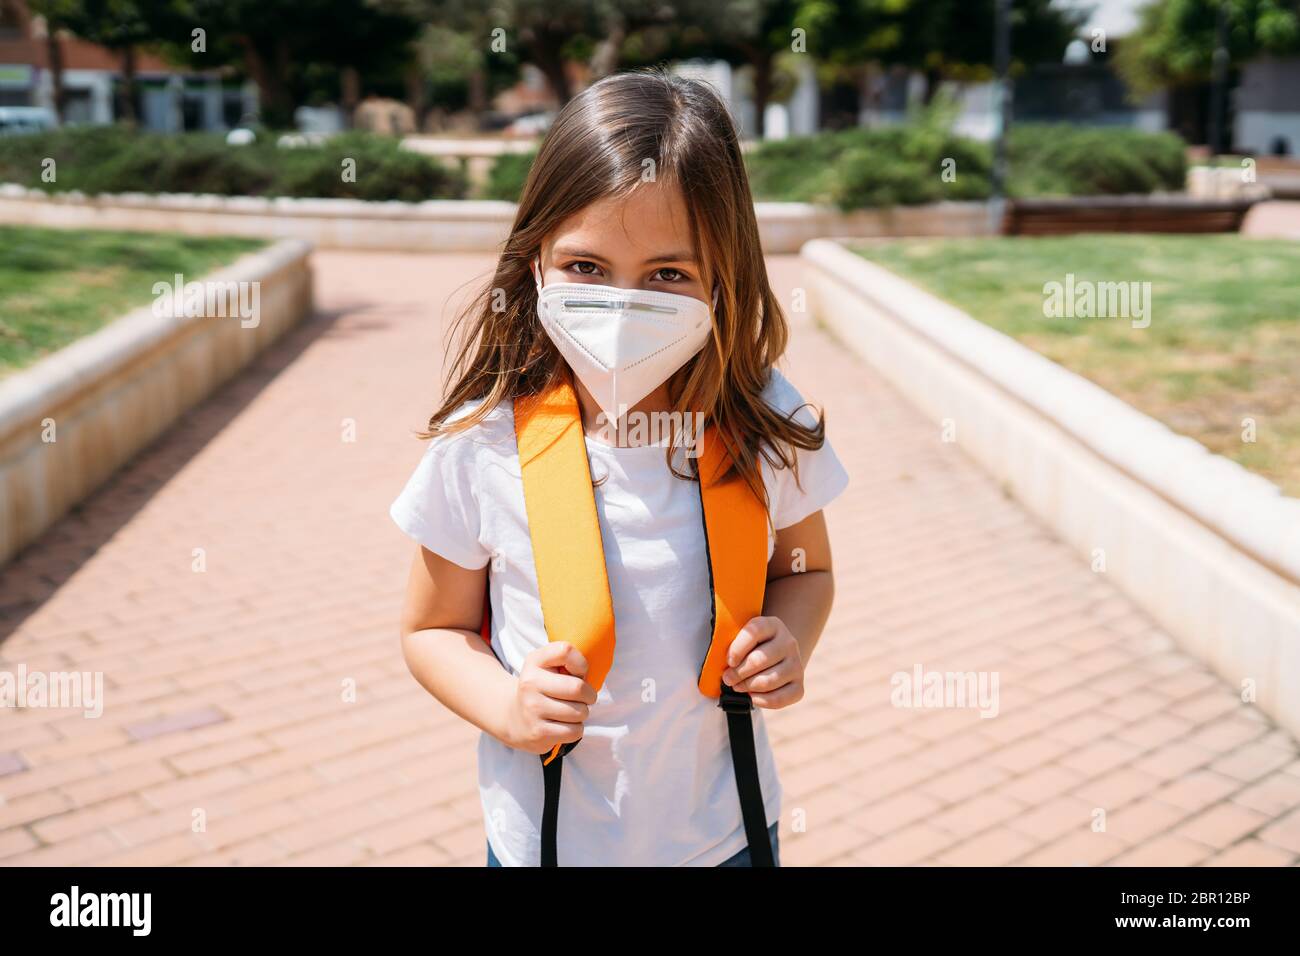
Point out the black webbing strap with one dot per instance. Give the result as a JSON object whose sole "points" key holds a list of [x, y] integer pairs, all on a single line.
{"points": [[740, 730], [551, 801]]}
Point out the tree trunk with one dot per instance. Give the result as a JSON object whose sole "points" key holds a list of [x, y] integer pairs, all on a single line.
{"points": [[415, 98], [280, 78], [478, 100], [54, 52], [762, 64], [551, 64], [351, 94], [605, 59], [126, 103], [868, 93], [272, 95], [257, 71], [932, 80]]}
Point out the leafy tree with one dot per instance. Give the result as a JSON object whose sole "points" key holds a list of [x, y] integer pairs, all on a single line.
{"points": [[943, 39], [754, 34], [765, 36], [122, 26], [281, 44], [605, 35], [59, 15], [947, 39], [545, 33], [1175, 39]]}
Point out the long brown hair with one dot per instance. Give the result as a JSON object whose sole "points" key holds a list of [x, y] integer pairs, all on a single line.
{"points": [[597, 148]]}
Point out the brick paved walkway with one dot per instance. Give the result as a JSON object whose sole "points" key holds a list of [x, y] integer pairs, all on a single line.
{"points": [[227, 690], [1276, 219]]}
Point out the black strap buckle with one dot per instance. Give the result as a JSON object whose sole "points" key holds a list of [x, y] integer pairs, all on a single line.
{"points": [[733, 701]]}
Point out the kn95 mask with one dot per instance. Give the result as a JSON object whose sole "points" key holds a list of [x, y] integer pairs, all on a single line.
{"points": [[622, 344]]}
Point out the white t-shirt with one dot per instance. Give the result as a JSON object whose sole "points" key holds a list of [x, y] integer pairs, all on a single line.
{"points": [[651, 783]]}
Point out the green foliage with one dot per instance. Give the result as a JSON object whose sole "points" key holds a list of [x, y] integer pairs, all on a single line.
{"points": [[384, 171], [507, 177], [1175, 39], [801, 169], [851, 169], [115, 159], [1063, 160], [903, 165], [944, 39], [863, 168]]}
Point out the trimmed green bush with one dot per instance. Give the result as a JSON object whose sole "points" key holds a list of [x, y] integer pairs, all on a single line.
{"points": [[507, 177], [901, 165], [802, 169], [904, 165], [909, 166], [112, 159], [1062, 160], [851, 169], [384, 171]]}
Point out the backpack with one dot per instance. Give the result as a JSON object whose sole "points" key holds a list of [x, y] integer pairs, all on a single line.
{"points": [[574, 588]]}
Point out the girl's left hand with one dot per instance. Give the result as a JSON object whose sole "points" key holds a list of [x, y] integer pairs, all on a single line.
{"points": [[764, 662]]}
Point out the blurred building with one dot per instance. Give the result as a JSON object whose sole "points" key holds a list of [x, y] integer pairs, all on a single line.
{"points": [[167, 99], [1083, 88], [1262, 105], [1267, 108]]}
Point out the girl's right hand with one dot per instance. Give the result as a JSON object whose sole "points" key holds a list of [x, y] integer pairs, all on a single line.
{"points": [[552, 699]]}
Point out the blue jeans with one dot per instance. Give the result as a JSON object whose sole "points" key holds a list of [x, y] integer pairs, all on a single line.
{"points": [[740, 859]]}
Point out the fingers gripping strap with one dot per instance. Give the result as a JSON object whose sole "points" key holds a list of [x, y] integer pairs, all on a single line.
{"points": [[561, 507], [735, 530]]}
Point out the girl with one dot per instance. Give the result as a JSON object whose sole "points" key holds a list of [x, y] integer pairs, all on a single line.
{"points": [[632, 280]]}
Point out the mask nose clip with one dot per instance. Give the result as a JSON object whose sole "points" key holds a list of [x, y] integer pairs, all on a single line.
{"points": [[535, 267]]}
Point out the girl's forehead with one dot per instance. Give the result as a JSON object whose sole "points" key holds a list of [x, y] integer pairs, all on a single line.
{"points": [[652, 218]]}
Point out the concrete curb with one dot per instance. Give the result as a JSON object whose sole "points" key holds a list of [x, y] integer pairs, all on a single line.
{"points": [[435, 226], [785, 226], [112, 392], [1211, 550]]}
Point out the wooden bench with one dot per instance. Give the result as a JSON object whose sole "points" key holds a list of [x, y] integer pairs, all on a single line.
{"points": [[1059, 217]]}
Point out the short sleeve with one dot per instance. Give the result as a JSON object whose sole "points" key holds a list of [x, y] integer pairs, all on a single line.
{"points": [[821, 475], [439, 507]]}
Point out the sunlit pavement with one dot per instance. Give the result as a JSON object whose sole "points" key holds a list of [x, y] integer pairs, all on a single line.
{"points": [[238, 586], [1275, 219]]}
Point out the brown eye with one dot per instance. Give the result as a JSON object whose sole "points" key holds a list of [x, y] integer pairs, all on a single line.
{"points": [[578, 267], [670, 275]]}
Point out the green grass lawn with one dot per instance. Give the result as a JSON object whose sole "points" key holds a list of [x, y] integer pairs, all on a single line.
{"points": [[56, 285], [1223, 344]]}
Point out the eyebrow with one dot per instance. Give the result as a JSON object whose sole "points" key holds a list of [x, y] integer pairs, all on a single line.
{"points": [[586, 254]]}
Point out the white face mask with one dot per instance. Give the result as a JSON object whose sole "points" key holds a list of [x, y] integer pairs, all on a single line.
{"points": [[621, 343]]}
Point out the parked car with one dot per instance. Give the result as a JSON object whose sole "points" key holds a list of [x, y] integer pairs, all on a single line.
{"points": [[25, 119], [530, 124]]}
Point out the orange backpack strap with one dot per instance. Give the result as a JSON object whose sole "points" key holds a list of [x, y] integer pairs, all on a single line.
{"points": [[567, 552], [735, 532]]}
